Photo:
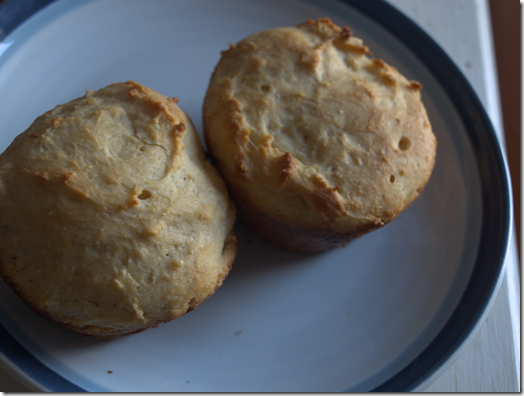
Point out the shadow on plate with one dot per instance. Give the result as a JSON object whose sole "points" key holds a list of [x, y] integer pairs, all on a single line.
{"points": [[256, 255]]}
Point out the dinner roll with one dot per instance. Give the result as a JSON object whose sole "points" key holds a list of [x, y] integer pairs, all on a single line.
{"points": [[111, 219], [318, 142]]}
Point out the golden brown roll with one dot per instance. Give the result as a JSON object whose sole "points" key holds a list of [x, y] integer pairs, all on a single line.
{"points": [[111, 219], [318, 142]]}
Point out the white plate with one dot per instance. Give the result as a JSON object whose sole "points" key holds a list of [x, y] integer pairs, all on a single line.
{"points": [[384, 313]]}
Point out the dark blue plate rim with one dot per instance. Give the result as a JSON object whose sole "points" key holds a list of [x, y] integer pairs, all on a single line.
{"points": [[495, 190]]}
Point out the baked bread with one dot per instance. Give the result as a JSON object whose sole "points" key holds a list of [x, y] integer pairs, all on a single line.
{"points": [[111, 219], [318, 142]]}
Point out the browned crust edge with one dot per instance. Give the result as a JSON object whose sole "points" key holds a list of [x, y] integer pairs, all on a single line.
{"points": [[230, 251], [294, 236]]}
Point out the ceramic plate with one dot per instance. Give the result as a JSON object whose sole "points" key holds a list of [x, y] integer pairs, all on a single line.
{"points": [[384, 313]]}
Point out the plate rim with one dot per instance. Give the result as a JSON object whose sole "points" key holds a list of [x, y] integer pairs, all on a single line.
{"points": [[496, 208], [496, 204]]}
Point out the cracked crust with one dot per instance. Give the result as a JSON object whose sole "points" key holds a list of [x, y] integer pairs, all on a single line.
{"points": [[111, 219], [317, 141]]}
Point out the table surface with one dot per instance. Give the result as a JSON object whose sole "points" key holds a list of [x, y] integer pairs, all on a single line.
{"points": [[490, 361]]}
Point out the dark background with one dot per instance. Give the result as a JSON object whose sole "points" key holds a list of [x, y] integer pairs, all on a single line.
{"points": [[505, 17]]}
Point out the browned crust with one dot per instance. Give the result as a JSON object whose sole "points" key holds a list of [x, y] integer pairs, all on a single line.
{"points": [[342, 37], [288, 168], [295, 236], [229, 252], [327, 199]]}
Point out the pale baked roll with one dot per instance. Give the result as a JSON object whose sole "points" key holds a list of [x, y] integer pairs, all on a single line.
{"points": [[318, 142], [111, 219]]}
